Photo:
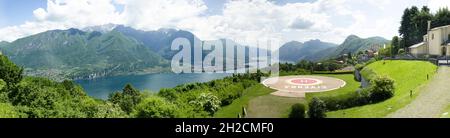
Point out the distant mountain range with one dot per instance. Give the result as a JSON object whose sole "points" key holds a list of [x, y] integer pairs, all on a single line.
{"points": [[96, 51], [119, 50], [315, 50]]}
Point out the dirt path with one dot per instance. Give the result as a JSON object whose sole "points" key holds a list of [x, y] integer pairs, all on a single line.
{"points": [[431, 101]]}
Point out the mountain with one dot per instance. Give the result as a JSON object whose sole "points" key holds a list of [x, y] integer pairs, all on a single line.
{"points": [[295, 51], [158, 41], [2, 44], [354, 44], [74, 53], [316, 50], [100, 28]]}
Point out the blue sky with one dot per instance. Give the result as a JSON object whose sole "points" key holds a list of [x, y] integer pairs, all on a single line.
{"points": [[18, 11], [301, 20]]}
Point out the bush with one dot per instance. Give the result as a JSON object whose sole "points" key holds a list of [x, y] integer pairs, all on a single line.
{"points": [[317, 108], [208, 102], [155, 107], [10, 72], [127, 99], [297, 111], [382, 88]]}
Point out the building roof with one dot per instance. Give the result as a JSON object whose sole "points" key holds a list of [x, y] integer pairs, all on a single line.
{"points": [[440, 27], [417, 45]]}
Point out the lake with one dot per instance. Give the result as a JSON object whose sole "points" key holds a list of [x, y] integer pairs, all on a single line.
{"points": [[102, 87]]}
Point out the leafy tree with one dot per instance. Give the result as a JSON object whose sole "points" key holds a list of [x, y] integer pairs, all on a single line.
{"points": [[10, 72], [408, 28], [155, 107], [382, 89], [395, 45], [317, 108], [208, 102], [421, 22], [2, 85], [128, 99], [96, 109], [441, 18], [297, 111]]}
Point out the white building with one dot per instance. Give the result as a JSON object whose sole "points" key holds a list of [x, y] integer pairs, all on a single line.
{"points": [[436, 42]]}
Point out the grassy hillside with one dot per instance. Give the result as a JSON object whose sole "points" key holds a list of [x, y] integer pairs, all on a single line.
{"points": [[231, 111], [408, 75]]}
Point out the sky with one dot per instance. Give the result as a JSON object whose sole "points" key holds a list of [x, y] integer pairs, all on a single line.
{"points": [[242, 20]]}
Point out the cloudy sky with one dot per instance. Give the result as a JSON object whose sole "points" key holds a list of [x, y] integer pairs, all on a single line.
{"points": [[244, 20]]}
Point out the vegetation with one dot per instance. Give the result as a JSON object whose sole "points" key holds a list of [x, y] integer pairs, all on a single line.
{"points": [[297, 111], [42, 98], [128, 99], [411, 74], [317, 108], [414, 23], [231, 111]]}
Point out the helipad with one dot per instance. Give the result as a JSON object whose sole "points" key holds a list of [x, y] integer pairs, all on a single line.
{"points": [[297, 86]]}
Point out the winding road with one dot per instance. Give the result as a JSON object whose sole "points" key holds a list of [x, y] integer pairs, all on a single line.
{"points": [[431, 101]]}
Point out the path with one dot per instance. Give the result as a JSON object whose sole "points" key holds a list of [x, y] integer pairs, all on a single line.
{"points": [[431, 101]]}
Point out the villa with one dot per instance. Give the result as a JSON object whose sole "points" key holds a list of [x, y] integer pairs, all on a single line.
{"points": [[435, 43]]}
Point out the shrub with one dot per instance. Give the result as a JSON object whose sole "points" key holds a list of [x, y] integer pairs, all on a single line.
{"points": [[297, 111], [317, 108], [128, 99], [208, 102], [382, 88], [155, 107], [10, 72]]}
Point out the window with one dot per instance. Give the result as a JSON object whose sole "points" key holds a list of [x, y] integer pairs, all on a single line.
{"points": [[432, 36]]}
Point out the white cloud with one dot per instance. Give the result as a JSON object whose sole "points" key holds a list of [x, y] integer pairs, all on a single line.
{"points": [[243, 20]]}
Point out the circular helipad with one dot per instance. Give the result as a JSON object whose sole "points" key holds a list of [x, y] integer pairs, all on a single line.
{"points": [[297, 86]]}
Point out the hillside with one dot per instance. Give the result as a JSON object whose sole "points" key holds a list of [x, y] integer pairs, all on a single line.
{"points": [[158, 41], [75, 53], [316, 50], [354, 44], [295, 51], [408, 75]]}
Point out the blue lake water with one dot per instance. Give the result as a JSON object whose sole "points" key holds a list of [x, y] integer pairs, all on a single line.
{"points": [[102, 87]]}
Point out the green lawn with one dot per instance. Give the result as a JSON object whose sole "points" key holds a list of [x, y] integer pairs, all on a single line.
{"points": [[350, 87], [271, 106], [408, 75], [232, 110]]}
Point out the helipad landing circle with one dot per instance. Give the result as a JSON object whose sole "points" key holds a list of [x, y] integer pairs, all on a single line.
{"points": [[297, 86]]}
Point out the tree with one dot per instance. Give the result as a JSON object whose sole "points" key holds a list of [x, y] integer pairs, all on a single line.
{"points": [[297, 111], [128, 99], [317, 108], [155, 107], [408, 28], [421, 22], [382, 88], [208, 102], [10, 72], [395, 45], [441, 18]]}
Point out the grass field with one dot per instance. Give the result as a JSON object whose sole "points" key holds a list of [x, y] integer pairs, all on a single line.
{"points": [[350, 87], [408, 75], [232, 110], [270, 106]]}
